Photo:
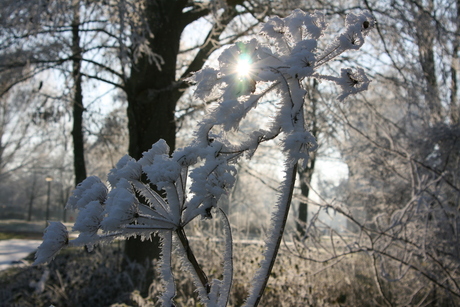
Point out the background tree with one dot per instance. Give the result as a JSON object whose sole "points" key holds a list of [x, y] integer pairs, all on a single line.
{"points": [[400, 187], [136, 51]]}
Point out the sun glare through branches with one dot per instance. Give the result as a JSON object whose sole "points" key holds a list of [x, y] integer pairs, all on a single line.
{"points": [[243, 66]]}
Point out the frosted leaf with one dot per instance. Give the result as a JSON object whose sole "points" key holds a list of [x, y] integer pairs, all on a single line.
{"points": [[302, 25], [229, 113], [206, 80], [210, 181], [163, 171], [124, 212], [357, 27], [153, 199], [302, 61], [316, 25], [87, 191], [295, 23], [126, 168], [275, 29], [351, 39], [55, 238], [159, 148], [352, 82], [87, 239], [300, 139], [305, 45], [121, 207], [186, 156], [221, 180], [216, 178], [89, 218], [299, 145], [364, 22]]}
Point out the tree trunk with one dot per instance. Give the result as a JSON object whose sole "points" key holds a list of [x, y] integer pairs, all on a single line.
{"points": [[151, 95], [425, 41], [306, 174], [78, 109], [31, 197], [454, 111]]}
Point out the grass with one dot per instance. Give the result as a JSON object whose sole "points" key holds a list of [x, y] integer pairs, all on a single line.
{"points": [[79, 278], [11, 235], [21, 229]]}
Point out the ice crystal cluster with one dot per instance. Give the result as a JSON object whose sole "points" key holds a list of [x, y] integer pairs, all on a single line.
{"points": [[160, 179]]}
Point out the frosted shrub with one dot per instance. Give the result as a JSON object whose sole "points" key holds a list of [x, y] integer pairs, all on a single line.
{"points": [[106, 214]]}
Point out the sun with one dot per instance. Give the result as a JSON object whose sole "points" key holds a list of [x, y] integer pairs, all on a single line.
{"points": [[243, 65]]}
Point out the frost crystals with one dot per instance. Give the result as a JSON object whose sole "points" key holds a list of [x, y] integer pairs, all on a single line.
{"points": [[152, 194]]}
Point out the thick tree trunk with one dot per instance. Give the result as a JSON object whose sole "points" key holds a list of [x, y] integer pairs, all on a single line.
{"points": [[152, 93], [152, 97], [78, 109]]}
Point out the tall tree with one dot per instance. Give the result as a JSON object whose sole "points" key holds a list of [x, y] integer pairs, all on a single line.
{"points": [[132, 46], [454, 108], [77, 103], [153, 89], [44, 40], [306, 173], [403, 150]]}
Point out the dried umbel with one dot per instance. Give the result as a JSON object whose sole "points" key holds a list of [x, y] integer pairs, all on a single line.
{"points": [[131, 207]]}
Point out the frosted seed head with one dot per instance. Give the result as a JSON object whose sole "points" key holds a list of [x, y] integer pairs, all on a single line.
{"points": [[127, 168], [159, 148], [55, 238], [87, 191], [352, 82], [164, 170]]}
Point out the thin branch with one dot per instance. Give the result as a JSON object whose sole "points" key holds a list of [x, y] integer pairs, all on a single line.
{"points": [[191, 258]]}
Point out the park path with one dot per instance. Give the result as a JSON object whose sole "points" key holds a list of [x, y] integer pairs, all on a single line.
{"points": [[14, 250]]}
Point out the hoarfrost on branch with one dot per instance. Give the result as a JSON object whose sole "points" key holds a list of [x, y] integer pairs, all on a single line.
{"points": [[108, 213]]}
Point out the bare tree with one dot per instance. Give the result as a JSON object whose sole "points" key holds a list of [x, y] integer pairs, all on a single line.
{"points": [[136, 52]]}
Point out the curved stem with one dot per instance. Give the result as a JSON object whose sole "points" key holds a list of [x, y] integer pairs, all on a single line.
{"points": [[227, 279], [274, 239]]}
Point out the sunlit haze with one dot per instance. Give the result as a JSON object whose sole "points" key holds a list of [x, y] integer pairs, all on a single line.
{"points": [[244, 65]]}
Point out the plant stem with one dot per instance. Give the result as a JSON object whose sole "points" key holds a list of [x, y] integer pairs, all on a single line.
{"points": [[191, 257], [276, 232]]}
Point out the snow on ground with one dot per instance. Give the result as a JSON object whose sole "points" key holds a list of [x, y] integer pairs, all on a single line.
{"points": [[12, 251]]}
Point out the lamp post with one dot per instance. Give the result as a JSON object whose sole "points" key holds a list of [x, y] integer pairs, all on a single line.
{"points": [[48, 179]]}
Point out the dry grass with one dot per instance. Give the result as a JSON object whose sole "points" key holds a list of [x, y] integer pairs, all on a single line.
{"points": [[79, 278]]}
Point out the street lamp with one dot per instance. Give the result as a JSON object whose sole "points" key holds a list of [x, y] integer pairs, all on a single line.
{"points": [[48, 179]]}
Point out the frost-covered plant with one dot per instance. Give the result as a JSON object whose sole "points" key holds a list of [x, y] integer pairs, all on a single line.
{"points": [[132, 207]]}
